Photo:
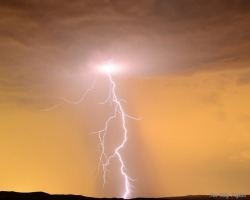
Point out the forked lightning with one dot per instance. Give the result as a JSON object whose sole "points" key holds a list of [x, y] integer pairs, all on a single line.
{"points": [[105, 160]]}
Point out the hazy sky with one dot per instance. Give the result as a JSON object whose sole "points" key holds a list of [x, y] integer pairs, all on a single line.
{"points": [[186, 71]]}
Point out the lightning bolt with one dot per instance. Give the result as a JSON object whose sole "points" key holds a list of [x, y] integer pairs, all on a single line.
{"points": [[105, 160]]}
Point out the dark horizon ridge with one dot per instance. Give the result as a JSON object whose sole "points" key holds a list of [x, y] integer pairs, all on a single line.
{"points": [[12, 195]]}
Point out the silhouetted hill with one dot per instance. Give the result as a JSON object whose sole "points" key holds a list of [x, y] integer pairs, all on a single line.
{"points": [[45, 196]]}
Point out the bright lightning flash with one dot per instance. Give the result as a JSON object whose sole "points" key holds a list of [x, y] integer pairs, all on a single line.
{"points": [[108, 68], [105, 160]]}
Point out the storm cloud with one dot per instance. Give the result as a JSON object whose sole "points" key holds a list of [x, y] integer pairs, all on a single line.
{"points": [[42, 41]]}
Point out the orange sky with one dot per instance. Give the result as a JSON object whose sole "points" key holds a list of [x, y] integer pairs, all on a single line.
{"points": [[196, 129], [186, 73], [194, 139]]}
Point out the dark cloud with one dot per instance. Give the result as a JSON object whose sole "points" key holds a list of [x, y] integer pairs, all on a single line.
{"points": [[41, 40]]}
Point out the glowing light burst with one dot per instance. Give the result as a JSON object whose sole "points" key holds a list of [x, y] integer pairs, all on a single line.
{"points": [[105, 160], [108, 67]]}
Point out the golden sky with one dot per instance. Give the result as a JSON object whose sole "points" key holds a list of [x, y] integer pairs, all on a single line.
{"points": [[196, 129], [186, 74]]}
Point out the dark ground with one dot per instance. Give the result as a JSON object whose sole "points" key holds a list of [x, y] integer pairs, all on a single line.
{"points": [[45, 196]]}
